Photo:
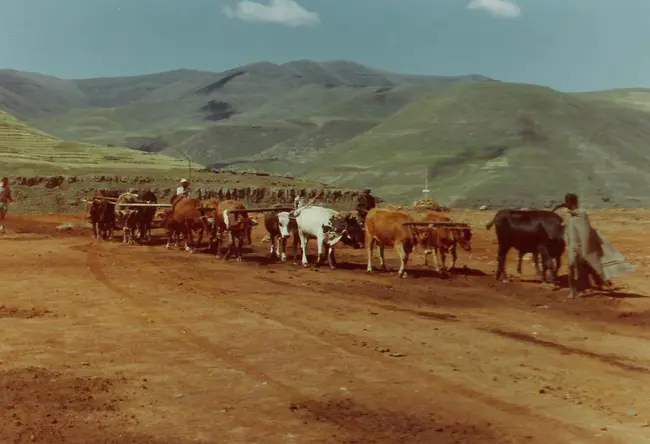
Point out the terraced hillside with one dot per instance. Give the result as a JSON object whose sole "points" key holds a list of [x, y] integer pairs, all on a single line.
{"points": [[30, 151], [495, 143]]}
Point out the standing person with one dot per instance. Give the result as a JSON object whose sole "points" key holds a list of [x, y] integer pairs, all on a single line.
{"points": [[590, 254], [300, 200], [5, 199], [365, 203]]}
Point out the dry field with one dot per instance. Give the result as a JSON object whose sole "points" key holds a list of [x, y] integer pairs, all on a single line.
{"points": [[109, 343]]}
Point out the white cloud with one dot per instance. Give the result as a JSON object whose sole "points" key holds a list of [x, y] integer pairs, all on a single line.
{"points": [[498, 8], [281, 12]]}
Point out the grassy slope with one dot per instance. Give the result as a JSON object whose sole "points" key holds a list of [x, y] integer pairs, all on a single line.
{"points": [[33, 152], [637, 98], [495, 142], [121, 111]]}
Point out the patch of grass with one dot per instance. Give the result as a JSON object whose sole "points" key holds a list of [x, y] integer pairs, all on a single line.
{"points": [[499, 143]]}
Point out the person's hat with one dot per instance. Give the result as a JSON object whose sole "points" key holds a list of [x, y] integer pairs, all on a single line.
{"points": [[185, 181]]}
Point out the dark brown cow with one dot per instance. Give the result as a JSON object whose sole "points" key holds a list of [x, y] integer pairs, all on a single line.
{"points": [[239, 225], [102, 218], [386, 229], [209, 219], [442, 240]]}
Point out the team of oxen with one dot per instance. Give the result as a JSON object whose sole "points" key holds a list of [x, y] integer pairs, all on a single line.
{"points": [[538, 232]]}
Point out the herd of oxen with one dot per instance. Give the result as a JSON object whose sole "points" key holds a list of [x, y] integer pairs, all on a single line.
{"points": [[539, 232]]}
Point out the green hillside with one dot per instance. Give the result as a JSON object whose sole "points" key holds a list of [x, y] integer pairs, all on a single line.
{"points": [[187, 109], [32, 152], [637, 98], [497, 143]]}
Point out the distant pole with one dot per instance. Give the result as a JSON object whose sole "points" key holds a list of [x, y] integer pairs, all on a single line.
{"points": [[189, 162], [425, 191]]}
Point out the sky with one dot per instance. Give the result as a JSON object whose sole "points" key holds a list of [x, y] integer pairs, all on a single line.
{"points": [[569, 45]]}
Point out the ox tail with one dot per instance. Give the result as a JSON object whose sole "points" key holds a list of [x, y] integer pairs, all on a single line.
{"points": [[489, 224]]}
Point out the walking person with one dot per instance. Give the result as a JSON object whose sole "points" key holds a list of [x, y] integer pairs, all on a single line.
{"points": [[365, 203], [589, 252], [5, 199]]}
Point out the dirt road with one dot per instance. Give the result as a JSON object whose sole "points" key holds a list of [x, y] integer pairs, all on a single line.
{"points": [[108, 343]]}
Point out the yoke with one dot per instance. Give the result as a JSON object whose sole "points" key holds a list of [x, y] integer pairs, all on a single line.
{"points": [[438, 224]]}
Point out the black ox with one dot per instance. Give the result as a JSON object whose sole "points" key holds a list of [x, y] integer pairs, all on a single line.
{"points": [[146, 215], [532, 231], [102, 218]]}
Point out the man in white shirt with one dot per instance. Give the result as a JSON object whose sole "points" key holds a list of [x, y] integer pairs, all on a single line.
{"points": [[183, 190]]}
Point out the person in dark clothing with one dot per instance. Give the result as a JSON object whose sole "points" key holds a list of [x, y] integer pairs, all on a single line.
{"points": [[365, 203]]}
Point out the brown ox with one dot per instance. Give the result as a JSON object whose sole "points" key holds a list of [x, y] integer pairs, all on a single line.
{"points": [[239, 225], [442, 240], [386, 229], [184, 217]]}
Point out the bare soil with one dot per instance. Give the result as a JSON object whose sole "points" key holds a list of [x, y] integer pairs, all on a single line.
{"points": [[106, 343]]}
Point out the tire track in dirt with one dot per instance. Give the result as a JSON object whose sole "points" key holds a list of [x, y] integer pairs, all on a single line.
{"points": [[344, 346], [364, 427], [475, 322]]}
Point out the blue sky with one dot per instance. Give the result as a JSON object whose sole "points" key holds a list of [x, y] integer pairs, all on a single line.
{"points": [[571, 45]]}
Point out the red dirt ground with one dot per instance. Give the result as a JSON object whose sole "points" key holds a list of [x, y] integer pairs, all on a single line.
{"points": [[109, 343]]}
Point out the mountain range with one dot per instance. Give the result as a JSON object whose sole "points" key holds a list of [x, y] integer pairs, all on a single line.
{"points": [[478, 140]]}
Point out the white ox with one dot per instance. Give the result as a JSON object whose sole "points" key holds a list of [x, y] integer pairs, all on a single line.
{"points": [[126, 216], [328, 227]]}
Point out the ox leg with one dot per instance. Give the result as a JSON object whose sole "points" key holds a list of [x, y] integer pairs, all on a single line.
{"points": [[331, 258], [230, 247], [201, 233], [380, 251], [370, 245], [426, 257], [436, 263], [321, 251], [95, 230], [501, 260], [295, 248], [303, 245], [239, 239], [547, 264], [521, 258], [403, 258], [454, 256], [283, 248], [189, 241], [272, 253], [443, 258], [542, 272], [218, 244]]}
